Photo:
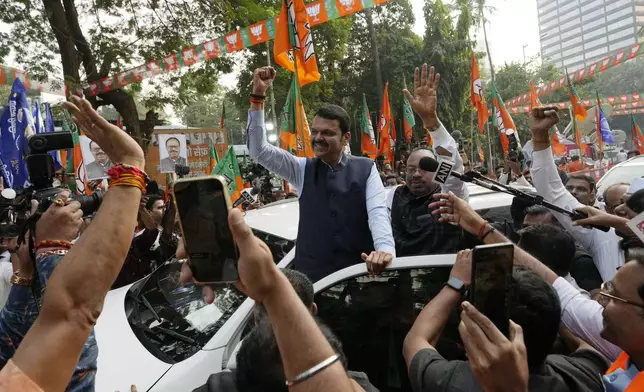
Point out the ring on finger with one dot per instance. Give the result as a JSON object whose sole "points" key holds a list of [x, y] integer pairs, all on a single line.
{"points": [[59, 202]]}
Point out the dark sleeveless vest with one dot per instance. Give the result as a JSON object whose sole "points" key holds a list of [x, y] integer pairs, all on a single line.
{"points": [[333, 230]]}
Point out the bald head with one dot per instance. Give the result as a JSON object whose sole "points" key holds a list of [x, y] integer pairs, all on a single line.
{"points": [[420, 182]]}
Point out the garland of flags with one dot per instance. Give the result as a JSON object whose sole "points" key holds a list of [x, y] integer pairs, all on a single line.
{"points": [[610, 61], [620, 102], [319, 11]]}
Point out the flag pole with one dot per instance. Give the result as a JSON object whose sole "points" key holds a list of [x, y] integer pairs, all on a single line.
{"points": [[489, 145], [272, 89]]}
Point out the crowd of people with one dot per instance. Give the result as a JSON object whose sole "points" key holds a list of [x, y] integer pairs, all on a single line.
{"points": [[576, 309]]}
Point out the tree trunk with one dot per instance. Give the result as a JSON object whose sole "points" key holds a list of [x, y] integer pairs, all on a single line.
{"points": [[376, 57], [75, 51]]}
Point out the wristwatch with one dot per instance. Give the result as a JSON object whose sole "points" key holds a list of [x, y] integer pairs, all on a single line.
{"points": [[456, 284]]}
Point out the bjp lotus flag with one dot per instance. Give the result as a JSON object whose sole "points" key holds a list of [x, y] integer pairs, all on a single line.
{"points": [[558, 148], [229, 169], [579, 137], [477, 96], [293, 47], [295, 135], [409, 122], [638, 138], [534, 98], [575, 102], [368, 139], [384, 128], [501, 119], [214, 160]]}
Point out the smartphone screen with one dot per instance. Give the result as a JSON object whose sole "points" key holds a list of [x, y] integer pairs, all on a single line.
{"points": [[203, 215], [491, 287]]}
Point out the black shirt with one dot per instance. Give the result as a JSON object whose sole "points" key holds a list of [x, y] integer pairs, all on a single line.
{"points": [[584, 270], [416, 231], [579, 372]]}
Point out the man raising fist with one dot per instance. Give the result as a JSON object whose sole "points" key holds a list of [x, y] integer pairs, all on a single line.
{"points": [[343, 212]]}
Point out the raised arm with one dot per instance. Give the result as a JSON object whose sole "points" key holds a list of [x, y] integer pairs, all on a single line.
{"points": [[580, 314], [275, 159], [76, 291], [603, 246], [423, 102]]}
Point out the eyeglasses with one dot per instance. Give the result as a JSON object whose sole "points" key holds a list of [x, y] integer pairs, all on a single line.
{"points": [[605, 291], [412, 170]]}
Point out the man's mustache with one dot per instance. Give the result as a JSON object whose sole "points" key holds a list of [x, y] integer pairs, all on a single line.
{"points": [[321, 144]]}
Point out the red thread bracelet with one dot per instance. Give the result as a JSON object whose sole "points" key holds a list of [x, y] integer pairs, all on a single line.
{"points": [[482, 229], [53, 244]]}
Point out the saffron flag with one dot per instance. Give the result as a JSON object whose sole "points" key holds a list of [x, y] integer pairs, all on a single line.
{"points": [[428, 136], [501, 119], [229, 169], [169, 183], [384, 128], [409, 121], [222, 120], [214, 160], [579, 138], [295, 135], [368, 139], [477, 96], [638, 138], [558, 148], [534, 98], [293, 47], [481, 153], [16, 126], [576, 103]]}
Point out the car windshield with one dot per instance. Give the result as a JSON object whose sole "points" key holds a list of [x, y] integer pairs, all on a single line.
{"points": [[624, 173], [171, 319]]}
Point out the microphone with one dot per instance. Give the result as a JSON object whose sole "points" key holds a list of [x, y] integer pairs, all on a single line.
{"points": [[247, 195], [443, 169]]}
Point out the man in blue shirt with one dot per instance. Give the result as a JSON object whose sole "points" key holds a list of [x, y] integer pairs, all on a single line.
{"points": [[342, 202]]}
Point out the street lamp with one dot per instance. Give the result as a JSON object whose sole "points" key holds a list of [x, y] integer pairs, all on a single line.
{"points": [[269, 126], [272, 138]]}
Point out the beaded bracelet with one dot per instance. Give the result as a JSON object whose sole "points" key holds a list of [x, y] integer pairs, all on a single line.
{"points": [[53, 244]]}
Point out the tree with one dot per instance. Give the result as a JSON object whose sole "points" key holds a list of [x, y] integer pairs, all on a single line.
{"points": [[123, 33], [207, 111]]}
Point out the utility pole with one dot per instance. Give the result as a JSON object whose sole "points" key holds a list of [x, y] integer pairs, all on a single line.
{"points": [[524, 46], [376, 57]]}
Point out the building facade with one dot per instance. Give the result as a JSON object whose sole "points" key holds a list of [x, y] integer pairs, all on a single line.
{"points": [[575, 33]]}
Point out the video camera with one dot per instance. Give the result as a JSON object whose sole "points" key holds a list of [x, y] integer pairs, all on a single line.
{"points": [[15, 204]]}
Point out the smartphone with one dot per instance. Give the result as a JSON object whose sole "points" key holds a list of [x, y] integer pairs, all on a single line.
{"points": [[491, 286], [203, 204]]}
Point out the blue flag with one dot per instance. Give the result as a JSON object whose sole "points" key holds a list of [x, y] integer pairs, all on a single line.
{"points": [[607, 135], [7, 175], [39, 124], [17, 125], [49, 118]]}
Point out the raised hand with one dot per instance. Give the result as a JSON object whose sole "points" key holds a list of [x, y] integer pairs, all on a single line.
{"points": [[424, 99], [498, 363], [118, 145], [541, 120], [262, 79]]}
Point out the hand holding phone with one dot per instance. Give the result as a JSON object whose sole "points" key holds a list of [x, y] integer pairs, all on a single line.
{"points": [[203, 204], [491, 287]]}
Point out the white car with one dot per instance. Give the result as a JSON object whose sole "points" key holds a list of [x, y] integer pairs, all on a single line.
{"points": [[161, 337], [622, 172]]}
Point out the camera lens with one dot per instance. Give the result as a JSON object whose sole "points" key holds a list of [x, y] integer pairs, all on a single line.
{"points": [[89, 203]]}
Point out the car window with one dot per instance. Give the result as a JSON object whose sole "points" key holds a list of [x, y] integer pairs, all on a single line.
{"points": [[171, 319], [372, 315], [497, 214], [279, 246]]}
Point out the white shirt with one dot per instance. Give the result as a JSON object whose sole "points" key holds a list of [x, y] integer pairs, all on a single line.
{"points": [[583, 316], [6, 271], [621, 156], [601, 163], [520, 181], [291, 168], [602, 246]]}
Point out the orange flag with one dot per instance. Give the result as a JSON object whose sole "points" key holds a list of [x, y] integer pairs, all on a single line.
{"points": [[501, 119], [638, 138], [293, 46], [575, 102], [428, 136], [384, 128], [477, 96], [579, 138], [534, 98], [558, 148], [368, 138]]}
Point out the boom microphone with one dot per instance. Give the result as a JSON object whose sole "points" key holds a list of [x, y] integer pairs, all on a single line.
{"points": [[442, 169], [247, 195]]}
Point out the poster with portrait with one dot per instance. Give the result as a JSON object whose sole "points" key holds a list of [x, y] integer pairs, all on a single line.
{"points": [[173, 151], [95, 160]]}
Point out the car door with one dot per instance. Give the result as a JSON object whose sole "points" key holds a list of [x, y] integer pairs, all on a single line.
{"points": [[371, 315]]}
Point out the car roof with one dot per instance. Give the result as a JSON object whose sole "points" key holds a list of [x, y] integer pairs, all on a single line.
{"points": [[281, 218]]}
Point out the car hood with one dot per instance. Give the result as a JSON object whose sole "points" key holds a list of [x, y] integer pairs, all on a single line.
{"points": [[120, 354]]}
